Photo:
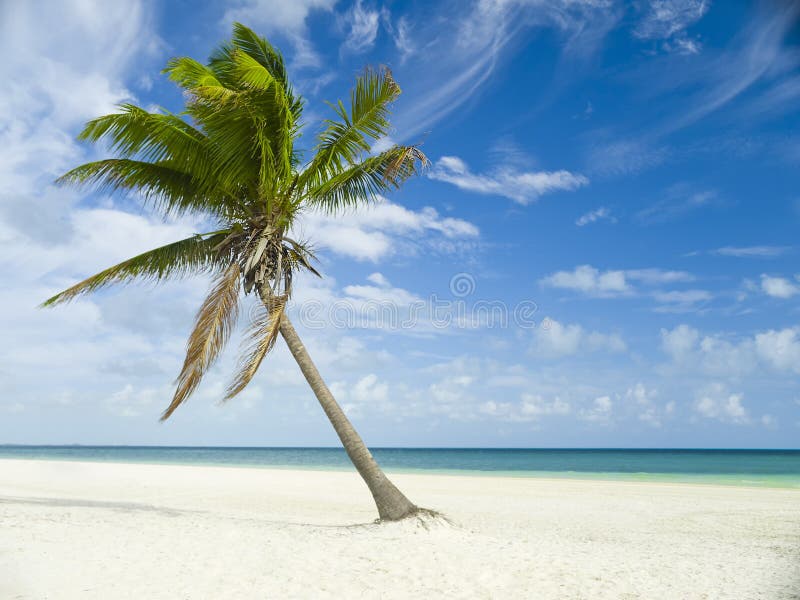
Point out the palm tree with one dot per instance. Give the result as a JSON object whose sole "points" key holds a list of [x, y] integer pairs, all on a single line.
{"points": [[231, 157]]}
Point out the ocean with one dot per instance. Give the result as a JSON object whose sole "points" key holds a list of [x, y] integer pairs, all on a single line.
{"points": [[761, 468]]}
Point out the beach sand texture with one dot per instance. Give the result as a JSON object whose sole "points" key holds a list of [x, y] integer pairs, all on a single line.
{"points": [[110, 530]]}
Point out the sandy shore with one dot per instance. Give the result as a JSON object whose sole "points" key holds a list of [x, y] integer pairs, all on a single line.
{"points": [[103, 530]]}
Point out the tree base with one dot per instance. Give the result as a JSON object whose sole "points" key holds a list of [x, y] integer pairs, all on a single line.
{"points": [[423, 516]]}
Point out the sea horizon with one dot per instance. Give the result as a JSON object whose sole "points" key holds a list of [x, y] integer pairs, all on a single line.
{"points": [[751, 467]]}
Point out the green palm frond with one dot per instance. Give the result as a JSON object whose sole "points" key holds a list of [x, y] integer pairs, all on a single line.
{"points": [[365, 181], [262, 51], [213, 325], [260, 340], [343, 141], [149, 136], [162, 184], [190, 74], [192, 255]]}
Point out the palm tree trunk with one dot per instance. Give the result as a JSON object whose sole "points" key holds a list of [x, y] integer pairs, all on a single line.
{"points": [[391, 502]]}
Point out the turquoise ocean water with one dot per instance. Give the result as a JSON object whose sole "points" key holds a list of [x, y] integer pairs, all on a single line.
{"points": [[762, 468]]}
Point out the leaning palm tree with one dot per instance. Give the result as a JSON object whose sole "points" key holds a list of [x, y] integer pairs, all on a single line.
{"points": [[231, 158]]}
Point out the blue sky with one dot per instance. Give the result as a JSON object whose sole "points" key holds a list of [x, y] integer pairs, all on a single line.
{"points": [[618, 182]]}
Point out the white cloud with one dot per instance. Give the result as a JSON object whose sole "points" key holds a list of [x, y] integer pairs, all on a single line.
{"points": [[599, 214], [679, 201], [680, 342], [779, 287], [599, 411], [644, 401], [522, 187], [368, 394], [780, 349], [715, 402], [378, 279], [284, 18], [531, 407], [752, 251], [624, 157], [658, 276], [469, 45], [401, 35], [681, 301], [719, 356], [669, 19], [553, 340], [363, 27], [590, 281], [377, 231], [756, 53]]}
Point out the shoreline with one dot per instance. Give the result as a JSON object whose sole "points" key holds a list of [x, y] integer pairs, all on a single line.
{"points": [[742, 480]]}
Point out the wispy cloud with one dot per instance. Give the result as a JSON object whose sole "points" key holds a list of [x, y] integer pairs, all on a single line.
{"points": [[469, 51], [400, 31], [668, 20], [679, 200], [681, 301], [523, 187], [757, 53], [752, 251], [599, 214], [624, 157], [363, 27]]}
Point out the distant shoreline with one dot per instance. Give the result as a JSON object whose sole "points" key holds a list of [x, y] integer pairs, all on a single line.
{"points": [[767, 468]]}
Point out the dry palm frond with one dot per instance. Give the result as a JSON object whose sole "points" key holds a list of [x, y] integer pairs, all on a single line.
{"points": [[213, 325], [260, 340]]}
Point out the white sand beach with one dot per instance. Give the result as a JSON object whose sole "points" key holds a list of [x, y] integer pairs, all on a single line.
{"points": [[107, 530]]}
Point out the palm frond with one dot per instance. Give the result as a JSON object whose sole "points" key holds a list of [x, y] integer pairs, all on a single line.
{"points": [[260, 340], [262, 51], [135, 132], [365, 181], [189, 256], [213, 325], [190, 74], [343, 141], [161, 184]]}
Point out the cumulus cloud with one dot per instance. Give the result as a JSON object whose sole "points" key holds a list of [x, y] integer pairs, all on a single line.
{"points": [[554, 339], [715, 402], [779, 287], [377, 231], [717, 355], [523, 187], [599, 410], [780, 348], [646, 406], [531, 407], [591, 281]]}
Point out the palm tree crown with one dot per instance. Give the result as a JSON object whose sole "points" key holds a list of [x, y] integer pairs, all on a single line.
{"points": [[231, 157]]}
